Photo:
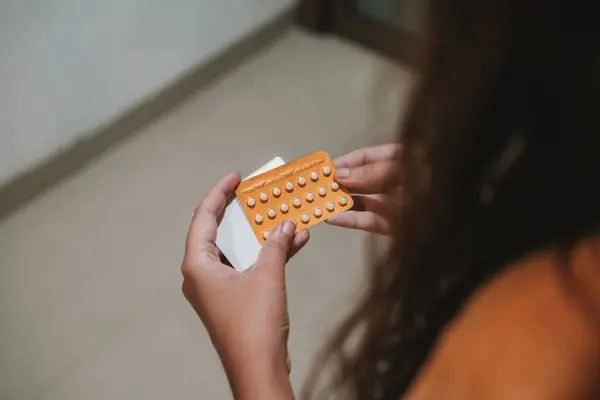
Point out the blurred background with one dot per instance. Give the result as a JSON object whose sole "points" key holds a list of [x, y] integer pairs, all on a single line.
{"points": [[116, 116]]}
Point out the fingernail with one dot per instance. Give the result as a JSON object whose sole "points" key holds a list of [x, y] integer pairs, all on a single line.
{"points": [[289, 227], [333, 218], [342, 173]]}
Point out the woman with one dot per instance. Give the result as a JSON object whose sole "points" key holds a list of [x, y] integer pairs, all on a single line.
{"points": [[491, 289]]}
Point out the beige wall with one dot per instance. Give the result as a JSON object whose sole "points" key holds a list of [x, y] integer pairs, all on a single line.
{"points": [[69, 66]]}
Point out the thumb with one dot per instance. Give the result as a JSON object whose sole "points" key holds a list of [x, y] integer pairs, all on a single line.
{"points": [[274, 253]]}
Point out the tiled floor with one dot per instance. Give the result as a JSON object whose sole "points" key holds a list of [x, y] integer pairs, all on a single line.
{"points": [[90, 303]]}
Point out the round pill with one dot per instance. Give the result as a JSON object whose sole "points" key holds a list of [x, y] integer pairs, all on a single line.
{"points": [[284, 208], [297, 203], [334, 186], [258, 219], [251, 202], [305, 218], [322, 192], [309, 196], [276, 192], [343, 201], [289, 186], [263, 197], [318, 212], [301, 181], [314, 176], [330, 207], [326, 171], [266, 235], [271, 213]]}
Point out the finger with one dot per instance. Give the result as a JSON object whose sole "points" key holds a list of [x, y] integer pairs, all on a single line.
{"points": [[276, 250], [377, 203], [300, 240], [357, 158], [377, 177], [203, 228], [362, 220]]}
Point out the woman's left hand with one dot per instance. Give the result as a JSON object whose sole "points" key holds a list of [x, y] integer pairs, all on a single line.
{"points": [[371, 175], [245, 313]]}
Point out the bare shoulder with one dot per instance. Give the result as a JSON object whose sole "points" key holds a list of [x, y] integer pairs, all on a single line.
{"points": [[532, 332]]}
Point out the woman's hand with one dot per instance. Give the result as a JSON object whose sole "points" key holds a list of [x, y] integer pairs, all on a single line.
{"points": [[372, 174], [245, 313]]}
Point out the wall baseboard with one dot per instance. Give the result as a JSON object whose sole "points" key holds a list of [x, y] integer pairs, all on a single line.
{"points": [[21, 190]]}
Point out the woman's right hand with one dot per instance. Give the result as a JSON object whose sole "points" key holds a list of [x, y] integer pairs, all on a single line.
{"points": [[372, 174]]}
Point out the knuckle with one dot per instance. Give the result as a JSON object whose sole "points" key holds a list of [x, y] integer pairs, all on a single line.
{"points": [[277, 245], [186, 270], [189, 270], [192, 267], [185, 290], [199, 209], [202, 204], [206, 213]]}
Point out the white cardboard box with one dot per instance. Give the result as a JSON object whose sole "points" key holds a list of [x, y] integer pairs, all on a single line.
{"points": [[235, 237]]}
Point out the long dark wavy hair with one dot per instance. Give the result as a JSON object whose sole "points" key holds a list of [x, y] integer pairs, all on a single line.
{"points": [[498, 160]]}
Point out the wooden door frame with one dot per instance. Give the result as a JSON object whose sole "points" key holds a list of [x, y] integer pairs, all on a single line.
{"points": [[340, 17], [315, 15]]}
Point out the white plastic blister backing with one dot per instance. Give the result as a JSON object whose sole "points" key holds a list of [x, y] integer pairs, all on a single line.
{"points": [[235, 237]]}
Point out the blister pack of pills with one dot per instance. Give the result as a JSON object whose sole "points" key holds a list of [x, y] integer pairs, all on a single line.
{"points": [[302, 190]]}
